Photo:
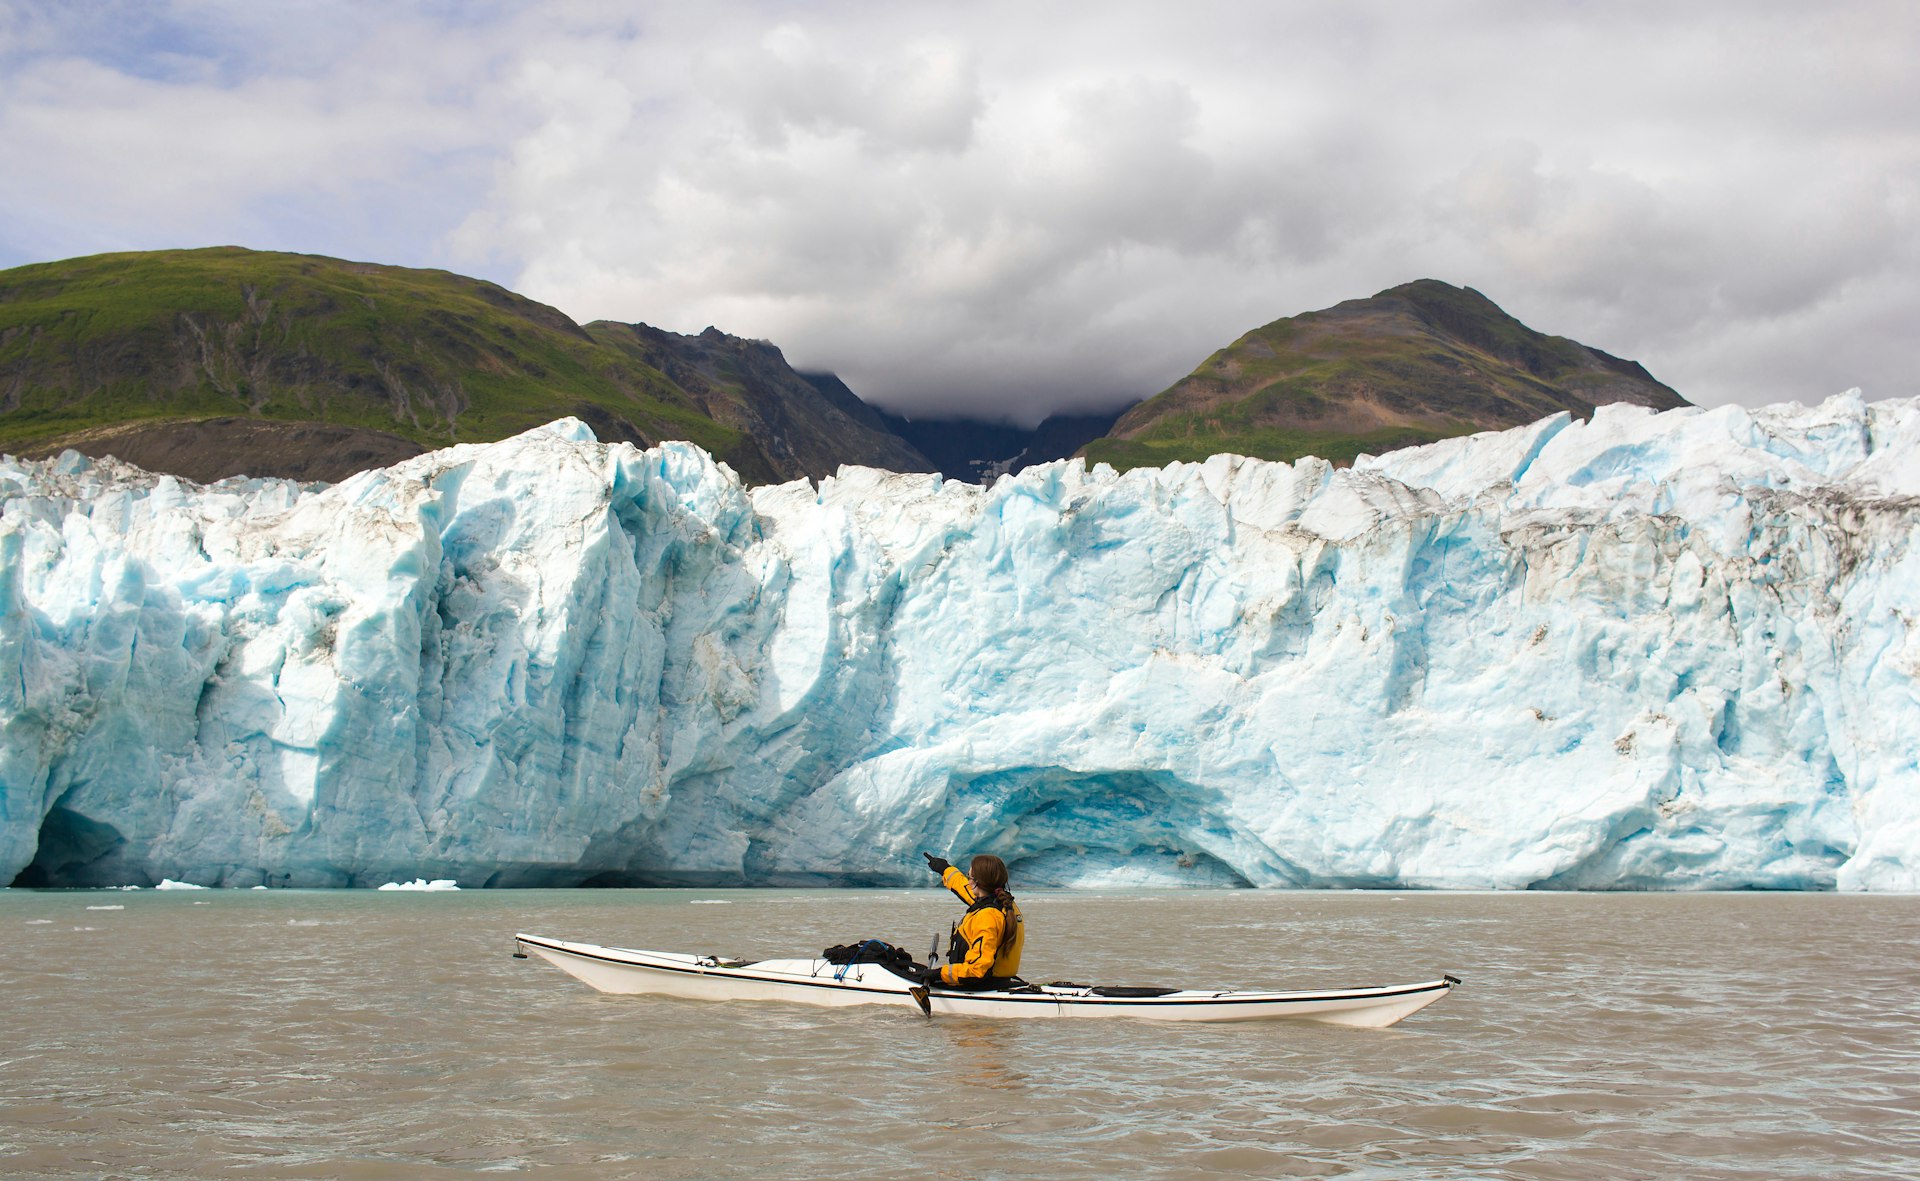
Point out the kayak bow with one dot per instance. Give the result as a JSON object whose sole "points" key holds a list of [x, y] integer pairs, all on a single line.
{"points": [[628, 971]]}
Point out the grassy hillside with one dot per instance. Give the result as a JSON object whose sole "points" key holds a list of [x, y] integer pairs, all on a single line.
{"points": [[215, 362], [1413, 364], [117, 344]]}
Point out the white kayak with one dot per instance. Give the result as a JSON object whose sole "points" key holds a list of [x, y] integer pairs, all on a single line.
{"points": [[627, 971]]}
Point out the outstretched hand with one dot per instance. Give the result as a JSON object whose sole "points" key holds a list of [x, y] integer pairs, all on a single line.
{"points": [[937, 864]]}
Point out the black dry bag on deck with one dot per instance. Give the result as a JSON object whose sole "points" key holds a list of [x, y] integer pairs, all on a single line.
{"points": [[868, 951]]}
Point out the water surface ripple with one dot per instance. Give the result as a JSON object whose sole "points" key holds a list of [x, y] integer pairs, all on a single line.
{"points": [[389, 1035]]}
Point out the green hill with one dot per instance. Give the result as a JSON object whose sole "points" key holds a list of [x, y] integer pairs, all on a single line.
{"points": [[220, 361], [1413, 364], [216, 362]]}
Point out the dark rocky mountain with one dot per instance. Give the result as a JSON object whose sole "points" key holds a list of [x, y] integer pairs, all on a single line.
{"points": [[977, 452], [1415, 363], [805, 424]]}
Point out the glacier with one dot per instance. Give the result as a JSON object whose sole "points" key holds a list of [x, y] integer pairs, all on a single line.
{"points": [[1646, 651]]}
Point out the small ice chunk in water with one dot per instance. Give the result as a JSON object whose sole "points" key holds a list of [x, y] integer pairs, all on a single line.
{"points": [[39, 922], [711, 902], [423, 884], [170, 884], [116, 906]]}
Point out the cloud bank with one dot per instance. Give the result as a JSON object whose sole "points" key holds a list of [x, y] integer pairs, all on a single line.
{"points": [[1003, 208]]}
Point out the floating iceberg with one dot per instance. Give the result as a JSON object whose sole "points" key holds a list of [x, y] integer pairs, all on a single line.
{"points": [[1647, 651], [423, 884], [170, 884]]}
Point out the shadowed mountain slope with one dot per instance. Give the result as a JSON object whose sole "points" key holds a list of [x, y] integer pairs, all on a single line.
{"points": [[980, 452]]}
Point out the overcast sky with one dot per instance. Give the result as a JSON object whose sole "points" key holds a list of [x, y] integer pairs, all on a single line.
{"points": [[992, 207]]}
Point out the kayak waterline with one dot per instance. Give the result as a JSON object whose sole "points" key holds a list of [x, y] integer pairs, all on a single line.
{"points": [[629, 971]]}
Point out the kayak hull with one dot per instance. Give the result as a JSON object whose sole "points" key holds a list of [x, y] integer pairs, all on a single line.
{"points": [[628, 971]]}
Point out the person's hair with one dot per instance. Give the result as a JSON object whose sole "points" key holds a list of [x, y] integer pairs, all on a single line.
{"points": [[989, 871]]}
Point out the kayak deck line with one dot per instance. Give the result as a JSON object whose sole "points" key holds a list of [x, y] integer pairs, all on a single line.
{"points": [[705, 965], [701, 965], [631, 971]]}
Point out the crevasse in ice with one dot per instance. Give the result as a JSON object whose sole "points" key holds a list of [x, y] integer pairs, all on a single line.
{"points": [[1649, 651]]}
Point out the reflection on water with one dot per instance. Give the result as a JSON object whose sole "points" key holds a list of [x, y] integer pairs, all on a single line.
{"points": [[391, 1036], [978, 1054]]}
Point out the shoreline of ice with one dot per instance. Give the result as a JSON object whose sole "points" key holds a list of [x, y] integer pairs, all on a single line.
{"points": [[1673, 651]]}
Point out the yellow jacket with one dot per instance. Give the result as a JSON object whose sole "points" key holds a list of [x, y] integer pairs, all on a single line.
{"points": [[993, 936]]}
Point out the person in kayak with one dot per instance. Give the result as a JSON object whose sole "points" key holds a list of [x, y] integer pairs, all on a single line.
{"points": [[985, 950]]}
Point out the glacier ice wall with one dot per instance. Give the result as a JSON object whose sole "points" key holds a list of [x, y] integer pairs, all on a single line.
{"points": [[1649, 651]]}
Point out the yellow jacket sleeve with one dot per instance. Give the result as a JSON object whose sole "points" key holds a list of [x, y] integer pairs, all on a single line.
{"points": [[959, 883]]}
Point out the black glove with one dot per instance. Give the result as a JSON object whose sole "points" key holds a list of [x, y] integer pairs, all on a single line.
{"points": [[938, 865]]}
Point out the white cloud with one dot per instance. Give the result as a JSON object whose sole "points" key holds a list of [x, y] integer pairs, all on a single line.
{"points": [[1014, 207], [910, 96], [202, 124]]}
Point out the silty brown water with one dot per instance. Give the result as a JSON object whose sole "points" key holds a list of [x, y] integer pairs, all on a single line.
{"points": [[389, 1035]]}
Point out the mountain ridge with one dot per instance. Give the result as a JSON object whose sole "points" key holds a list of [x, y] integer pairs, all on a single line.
{"points": [[1412, 364], [223, 361]]}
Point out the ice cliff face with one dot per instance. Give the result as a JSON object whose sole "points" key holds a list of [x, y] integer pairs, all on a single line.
{"points": [[1661, 651]]}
